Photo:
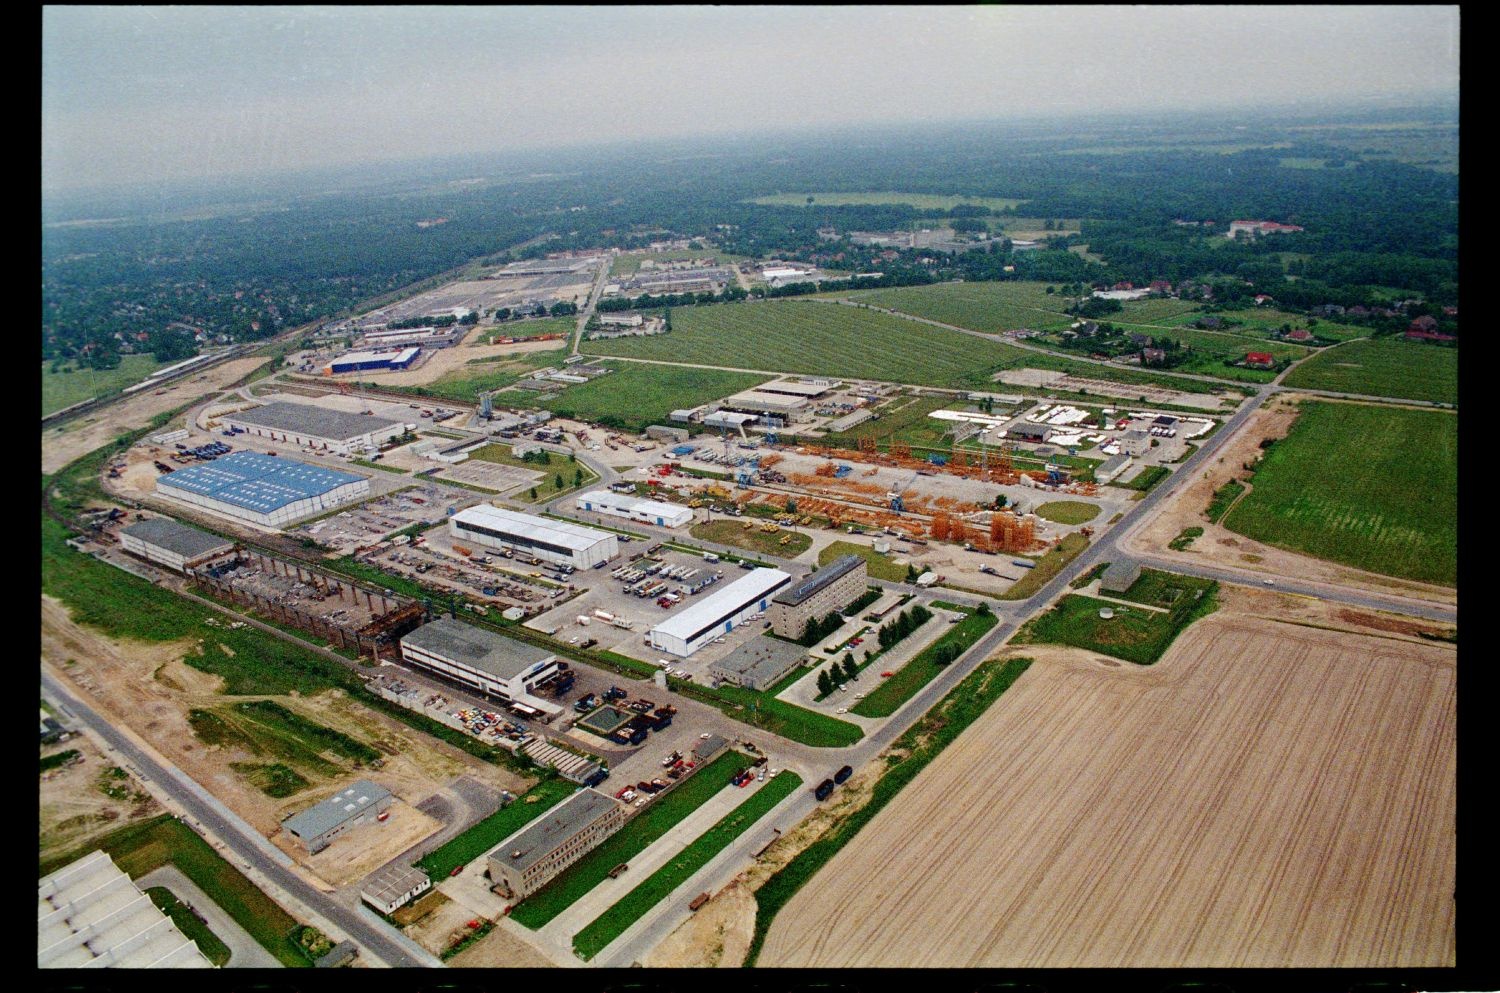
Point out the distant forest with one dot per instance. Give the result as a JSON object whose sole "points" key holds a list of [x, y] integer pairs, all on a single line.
{"points": [[249, 260]]}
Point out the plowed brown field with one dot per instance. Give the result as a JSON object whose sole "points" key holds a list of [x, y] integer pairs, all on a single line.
{"points": [[1266, 795]]}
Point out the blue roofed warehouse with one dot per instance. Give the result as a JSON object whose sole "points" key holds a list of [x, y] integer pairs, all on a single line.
{"points": [[263, 489]]}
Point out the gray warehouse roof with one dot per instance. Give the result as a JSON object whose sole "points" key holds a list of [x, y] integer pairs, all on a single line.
{"points": [[392, 882], [547, 832], [761, 659], [337, 809], [475, 647], [304, 418], [837, 569], [190, 543]]}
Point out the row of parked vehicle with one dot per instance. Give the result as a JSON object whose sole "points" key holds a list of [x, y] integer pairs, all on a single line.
{"points": [[825, 789]]}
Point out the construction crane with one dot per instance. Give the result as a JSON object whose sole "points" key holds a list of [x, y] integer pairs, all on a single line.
{"points": [[897, 504]]}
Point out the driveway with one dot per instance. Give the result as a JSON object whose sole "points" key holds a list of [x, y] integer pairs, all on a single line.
{"points": [[244, 953]]}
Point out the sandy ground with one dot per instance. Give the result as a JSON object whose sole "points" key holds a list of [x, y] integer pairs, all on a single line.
{"points": [[75, 439], [440, 928], [1266, 795], [1221, 547], [500, 949], [456, 358], [148, 688], [72, 807], [353, 856], [717, 936]]}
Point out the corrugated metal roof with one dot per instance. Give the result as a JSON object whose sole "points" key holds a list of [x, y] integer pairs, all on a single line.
{"points": [[738, 594], [476, 647], [163, 532], [304, 418], [90, 915], [574, 536], [838, 568], [348, 803], [761, 659], [621, 501], [543, 835], [262, 483]]}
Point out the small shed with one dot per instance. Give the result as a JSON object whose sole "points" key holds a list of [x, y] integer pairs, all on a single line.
{"points": [[1120, 576]]}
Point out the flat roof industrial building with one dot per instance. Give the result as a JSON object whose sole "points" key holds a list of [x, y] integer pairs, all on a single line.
{"points": [[765, 402], [90, 915], [689, 630], [263, 489], [359, 803], [316, 427], [668, 515], [481, 659], [382, 359], [174, 545], [527, 860], [559, 542], [758, 663]]}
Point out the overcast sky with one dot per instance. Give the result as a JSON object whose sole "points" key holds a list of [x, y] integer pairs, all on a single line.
{"points": [[143, 93]]}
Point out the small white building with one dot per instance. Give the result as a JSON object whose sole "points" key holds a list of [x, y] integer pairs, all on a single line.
{"points": [[483, 660], [689, 630], [558, 542], [394, 886], [666, 515]]}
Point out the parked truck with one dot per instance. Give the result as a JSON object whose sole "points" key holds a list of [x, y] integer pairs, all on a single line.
{"points": [[843, 774], [824, 789]]}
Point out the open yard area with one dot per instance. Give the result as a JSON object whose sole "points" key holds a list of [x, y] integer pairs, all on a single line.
{"points": [[1384, 367], [1132, 633], [1267, 795], [732, 532], [1368, 486], [63, 389], [635, 395]]}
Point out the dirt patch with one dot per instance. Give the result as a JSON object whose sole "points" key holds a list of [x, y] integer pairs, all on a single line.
{"points": [[353, 856], [75, 439], [1221, 547], [717, 936], [442, 927], [500, 949], [73, 809], [1287, 801]]}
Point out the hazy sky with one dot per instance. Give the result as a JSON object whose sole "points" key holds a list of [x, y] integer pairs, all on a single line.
{"points": [[143, 93]]}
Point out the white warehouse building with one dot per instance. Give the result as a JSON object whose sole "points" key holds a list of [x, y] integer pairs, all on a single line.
{"points": [[559, 542], [668, 515], [484, 661], [686, 632]]}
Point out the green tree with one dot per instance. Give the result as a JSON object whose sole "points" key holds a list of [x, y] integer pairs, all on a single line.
{"points": [[791, 506], [578, 477], [837, 675], [557, 482], [850, 668], [983, 610], [533, 493], [825, 683]]}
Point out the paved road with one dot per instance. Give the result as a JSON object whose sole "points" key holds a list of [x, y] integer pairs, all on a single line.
{"points": [[244, 953], [253, 851], [594, 294]]}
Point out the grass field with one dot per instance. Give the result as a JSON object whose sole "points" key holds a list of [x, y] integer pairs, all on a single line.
{"points": [[909, 755], [762, 710], [1068, 511], [879, 566], [139, 848], [1139, 636], [640, 395], [1223, 497], [1211, 350], [188, 923], [525, 329], [1260, 322], [888, 697], [904, 419], [1046, 567], [640, 831], [988, 307], [463, 384], [922, 201], [1386, 367], [608, 926], [63, 389], [732, 532], [1143, 480], [1367, 486], [555, 465], [495, 828], [265, 728]]}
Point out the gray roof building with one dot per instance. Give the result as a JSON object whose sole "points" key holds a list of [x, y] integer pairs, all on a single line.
{"points": [[394, 885], [344, 806], [758, 663], [709, 748], [190, 543], [542, 836], [1120, 576], [475, 647], [823, 578], [306, 419]]}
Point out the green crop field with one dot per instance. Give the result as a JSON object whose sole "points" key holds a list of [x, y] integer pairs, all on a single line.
{"points": [[659, 817], [638, 395], [1260, 322], [1068, 511], [1385, 367], [1368, 486], [63, 389], [988, 307], [922, 201], [1152, 310], [496, 828], [609, 925], [829, 339], [732, 532]]}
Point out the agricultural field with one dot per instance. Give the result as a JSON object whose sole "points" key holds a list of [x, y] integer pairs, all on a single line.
{"points": [[63, 389], [637, 395], [1267, 795], [608, 926], [878, 566], [1261, 322], [1068, 511], [1385, 367], [987, 307], [1367, 486], [1153, 310], [733, 532], [921, 201]]}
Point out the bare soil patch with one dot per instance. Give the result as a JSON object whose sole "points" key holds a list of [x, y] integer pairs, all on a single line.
{"points": [[500, 949], [73, 809], [457, 358], [717, 936], [1266, 795], [1221, 547]]}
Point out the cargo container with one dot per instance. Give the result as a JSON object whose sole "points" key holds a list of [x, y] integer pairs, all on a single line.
{"points": [[698, 901], [824, 789], [843, 774]]}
